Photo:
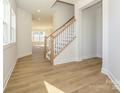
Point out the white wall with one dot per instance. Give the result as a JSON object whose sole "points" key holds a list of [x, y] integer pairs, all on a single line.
{"points": [[63, 12], [111, 40], [9, 61], [111, 48], [9, 56], [24, 29], [91, 32], [114, 37], [1, 45]]}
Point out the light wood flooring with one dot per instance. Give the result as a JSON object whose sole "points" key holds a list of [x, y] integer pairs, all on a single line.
{"points": [[34, 74]]}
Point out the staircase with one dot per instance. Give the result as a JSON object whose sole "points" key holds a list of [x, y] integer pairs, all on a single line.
{"points": [[57, 42]]}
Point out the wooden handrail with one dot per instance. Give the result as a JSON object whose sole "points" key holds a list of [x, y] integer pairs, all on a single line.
{"points": [[52, 50], [64, 29], [61, 26]]}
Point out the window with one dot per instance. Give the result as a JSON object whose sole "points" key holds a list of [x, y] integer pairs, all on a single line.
{"points": [[1, 23], [13, 27], [38, 36], [6, 22], [9, 24]]}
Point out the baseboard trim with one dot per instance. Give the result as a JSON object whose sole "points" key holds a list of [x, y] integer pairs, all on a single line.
{"points": [[84, 59], [74, 60], [24, 55], [112, 78], [61, 61], [9, 75]]}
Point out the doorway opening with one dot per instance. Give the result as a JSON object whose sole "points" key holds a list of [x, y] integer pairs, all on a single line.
{"points": [[38, 38], [91, 31]]}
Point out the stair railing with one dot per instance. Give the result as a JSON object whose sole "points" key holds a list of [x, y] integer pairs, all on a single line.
{"points": [[56, 42]]}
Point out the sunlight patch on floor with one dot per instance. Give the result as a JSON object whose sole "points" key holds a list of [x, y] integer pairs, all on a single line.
{"points": [[52, 89]]}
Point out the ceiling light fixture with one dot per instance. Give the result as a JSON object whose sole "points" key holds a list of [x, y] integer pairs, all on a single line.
{"points": [[39, 19], [38, 10]]}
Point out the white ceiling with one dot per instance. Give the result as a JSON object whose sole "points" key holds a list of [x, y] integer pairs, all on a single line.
{"points": [[46, 12], [33, 5], [43, 17]]}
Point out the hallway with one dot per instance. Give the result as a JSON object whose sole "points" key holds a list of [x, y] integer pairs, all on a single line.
{"points": [[34, 74]]}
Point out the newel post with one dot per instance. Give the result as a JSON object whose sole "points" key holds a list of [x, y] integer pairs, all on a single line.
{"points": [[45, 46], [52, 49]]}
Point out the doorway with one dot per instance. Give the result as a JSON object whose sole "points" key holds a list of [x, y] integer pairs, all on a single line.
{"points": [[91, 31], [38, 38]]}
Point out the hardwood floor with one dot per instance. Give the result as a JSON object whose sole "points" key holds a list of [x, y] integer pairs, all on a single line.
{"points": [[34, 74]]}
